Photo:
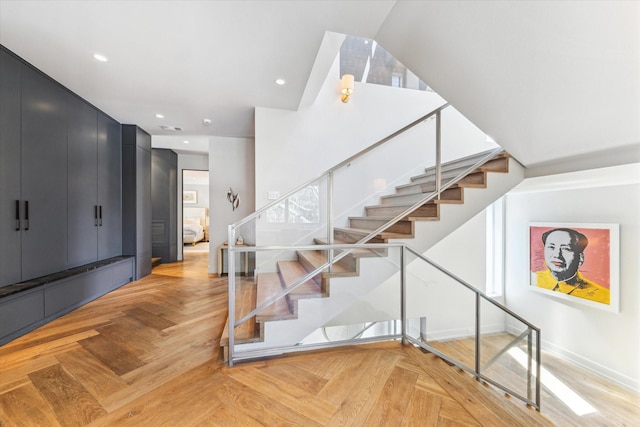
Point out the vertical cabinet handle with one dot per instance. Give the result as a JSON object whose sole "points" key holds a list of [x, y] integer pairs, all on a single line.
{"points": [[26, 215], [100, 215], [17, 215], [95, 215]]}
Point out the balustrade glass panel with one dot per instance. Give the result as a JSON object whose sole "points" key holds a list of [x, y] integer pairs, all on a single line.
{"points": [[508, 350], [440, 311], [362, 300]]}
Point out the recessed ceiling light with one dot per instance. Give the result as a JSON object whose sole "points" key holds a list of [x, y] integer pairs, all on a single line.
{"points": [[100, 58], [280, 82], [186, 142], [206, 122], [160, 116]]}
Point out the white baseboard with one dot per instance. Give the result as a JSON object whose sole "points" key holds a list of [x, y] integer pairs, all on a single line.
{"points": [[585, 363], [592, 366]]}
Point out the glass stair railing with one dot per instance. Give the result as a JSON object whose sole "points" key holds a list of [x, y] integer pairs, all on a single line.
{"points": [[324, 259]]}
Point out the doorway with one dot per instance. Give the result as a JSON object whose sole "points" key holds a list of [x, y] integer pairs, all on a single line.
{"points": [[195, 213]]}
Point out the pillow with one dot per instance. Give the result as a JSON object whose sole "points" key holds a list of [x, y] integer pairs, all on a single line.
{"points": [[191, 220]]}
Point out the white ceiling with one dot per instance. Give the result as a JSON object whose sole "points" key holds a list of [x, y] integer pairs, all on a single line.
{"points": [[547, 80], [195, 177], [187, 60]]}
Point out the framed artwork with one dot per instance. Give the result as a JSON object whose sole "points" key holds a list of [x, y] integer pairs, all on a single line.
{"points": [[576, 262], [189, 196]]}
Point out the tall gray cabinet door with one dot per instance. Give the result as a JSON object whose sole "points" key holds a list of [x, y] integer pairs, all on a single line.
{"points": [[109, 187], [143, 210], [10, 250], [82, 219], [44, 174]]}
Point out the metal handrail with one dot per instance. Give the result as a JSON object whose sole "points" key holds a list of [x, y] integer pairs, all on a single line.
{"points": [[348, 248], [477, 370], [431, 196], [340, 165], [331, 260], [471, 288], [301, 280], [406, 338]]}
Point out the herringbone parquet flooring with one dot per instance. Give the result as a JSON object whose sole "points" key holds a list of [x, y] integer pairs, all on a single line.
{"points": [[148, 354]]}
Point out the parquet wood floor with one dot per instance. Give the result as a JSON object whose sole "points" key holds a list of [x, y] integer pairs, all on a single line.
{"points": [[148, 354]]}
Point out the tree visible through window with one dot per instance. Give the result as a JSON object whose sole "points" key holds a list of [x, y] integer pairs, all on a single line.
{"points": [[302, 207]]}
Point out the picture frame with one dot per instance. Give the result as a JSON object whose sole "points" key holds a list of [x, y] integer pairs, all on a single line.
{"points": [[190, 196], [577, 262]]}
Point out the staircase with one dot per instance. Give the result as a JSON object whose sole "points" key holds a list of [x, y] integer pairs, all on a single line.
{"points": [[250, 293]]}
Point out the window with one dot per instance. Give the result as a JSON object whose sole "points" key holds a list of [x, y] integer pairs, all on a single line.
{"points": [[302, 207], [396, 80], [495, 248]]}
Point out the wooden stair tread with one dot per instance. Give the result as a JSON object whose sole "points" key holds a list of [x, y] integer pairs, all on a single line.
{"points": [[357, 252], [245, 302], [384, 235], [269, 284], [290, 271], [426, 184], [496, 163], [318, 258], [396, 205], [453, 192], [470, 160]]}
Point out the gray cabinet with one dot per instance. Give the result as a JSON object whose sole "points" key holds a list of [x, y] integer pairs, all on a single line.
{"points": [[43, 175], [136, 197], [164, 190], [33, 173], [25, 310], [10, 230], [82, 184], [20, 312], [109, 187], [60, 177], [95, 212]]}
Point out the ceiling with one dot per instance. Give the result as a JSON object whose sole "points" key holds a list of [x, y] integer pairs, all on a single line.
{"points": [[186, 60], [547, 80]]}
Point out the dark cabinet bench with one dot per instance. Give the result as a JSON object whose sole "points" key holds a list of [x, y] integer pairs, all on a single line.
{"points": [[25, 306]]}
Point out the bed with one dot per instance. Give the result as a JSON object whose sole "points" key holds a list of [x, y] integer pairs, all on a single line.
{"points": [[194, 221]]}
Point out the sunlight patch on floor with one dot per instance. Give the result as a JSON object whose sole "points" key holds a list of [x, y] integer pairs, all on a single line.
{"points": [[556, 387]]}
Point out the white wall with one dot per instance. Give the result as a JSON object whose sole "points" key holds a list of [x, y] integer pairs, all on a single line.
{"points": [[202, 192], [450, 307], [231, 164], [606, 342], [295, 146]]}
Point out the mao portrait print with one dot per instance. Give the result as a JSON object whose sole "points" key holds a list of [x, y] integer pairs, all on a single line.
{"points": [[573, 260]]}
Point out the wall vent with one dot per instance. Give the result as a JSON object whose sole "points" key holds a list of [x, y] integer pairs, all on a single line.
{"points": [[171, 128]]}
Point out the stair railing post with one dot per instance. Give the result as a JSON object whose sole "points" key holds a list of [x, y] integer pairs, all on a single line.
{"points": [[529, 362], [232, 292], [330, 218], [478, 336], [438, 153], [538, 363], [403, 294]]}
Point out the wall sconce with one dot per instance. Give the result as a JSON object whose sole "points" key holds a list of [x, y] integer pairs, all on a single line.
{"points": [[346, 87], [233, 198]]}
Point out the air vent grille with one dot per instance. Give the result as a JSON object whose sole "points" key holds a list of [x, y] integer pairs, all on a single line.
{"points": [[171, 128]]}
